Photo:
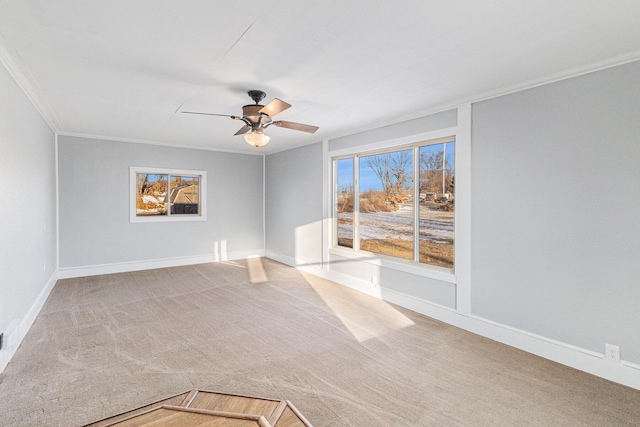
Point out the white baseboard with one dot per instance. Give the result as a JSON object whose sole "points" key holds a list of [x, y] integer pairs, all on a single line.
{"points": [[123, 267], [293, 262], [594, 363], [290, 261], [346, 280], [25, 324]]}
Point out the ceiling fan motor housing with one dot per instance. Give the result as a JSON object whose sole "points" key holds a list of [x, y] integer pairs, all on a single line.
{"points": [[252, 115]]}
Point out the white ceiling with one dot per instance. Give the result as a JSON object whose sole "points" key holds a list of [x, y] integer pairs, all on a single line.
{"points": [[123, 69]]}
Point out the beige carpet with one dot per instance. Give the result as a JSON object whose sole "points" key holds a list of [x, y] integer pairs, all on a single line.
{"points": [[107, 344]]}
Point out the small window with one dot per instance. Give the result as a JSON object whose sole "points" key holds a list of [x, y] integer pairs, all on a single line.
{"points": [[167, 195]]}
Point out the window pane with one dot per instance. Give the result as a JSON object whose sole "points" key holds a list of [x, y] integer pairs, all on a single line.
{"points": [[437, 182], [184, 195], [344, 202], [151, 195], [386, 203]]}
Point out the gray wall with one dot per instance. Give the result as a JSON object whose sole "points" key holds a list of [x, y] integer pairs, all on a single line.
{"points": [[425, 288], [555, 209], [444, 119], [94, 203], [293, 208], [27, 211], [555, 240]]}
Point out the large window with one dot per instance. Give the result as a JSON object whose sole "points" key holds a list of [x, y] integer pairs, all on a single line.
{"points": [[398, 203], [167, 194]]}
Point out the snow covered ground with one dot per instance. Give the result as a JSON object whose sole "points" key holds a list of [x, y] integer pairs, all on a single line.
{"points": [[435, 225]]}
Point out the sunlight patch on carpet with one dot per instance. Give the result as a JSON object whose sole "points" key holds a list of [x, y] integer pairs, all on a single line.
{"points": [[256, 270], [375, 319]]}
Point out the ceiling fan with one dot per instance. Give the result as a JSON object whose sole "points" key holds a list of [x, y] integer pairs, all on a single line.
{"points": [[258, 117]]}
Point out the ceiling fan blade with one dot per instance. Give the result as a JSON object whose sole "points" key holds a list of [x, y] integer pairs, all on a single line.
{"points": [[274, 107], [244, 129], [209, 114], [296, 126]]}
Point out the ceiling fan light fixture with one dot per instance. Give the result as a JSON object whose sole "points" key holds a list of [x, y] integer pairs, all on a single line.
{"points": [[257, 138]]}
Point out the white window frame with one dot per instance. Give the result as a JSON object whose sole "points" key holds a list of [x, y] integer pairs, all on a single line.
{"points": [[356, 156], [461, 234], [133, 189]]}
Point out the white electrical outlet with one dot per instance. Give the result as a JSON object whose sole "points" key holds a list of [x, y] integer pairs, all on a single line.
{"points": [[374, 280], [612, 352]]}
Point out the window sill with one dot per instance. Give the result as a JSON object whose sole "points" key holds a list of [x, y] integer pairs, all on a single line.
{"points": [[167, 218], [432, 272]]}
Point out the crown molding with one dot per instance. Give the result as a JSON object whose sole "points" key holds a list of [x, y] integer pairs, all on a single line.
{"points": [[163, 144], [34, 95], [506, 90], [556, 77]]}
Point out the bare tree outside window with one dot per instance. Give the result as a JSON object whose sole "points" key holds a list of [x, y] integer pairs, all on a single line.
{"points": [[386, 206], [436, 170], [151, 198], [167, 195]]}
